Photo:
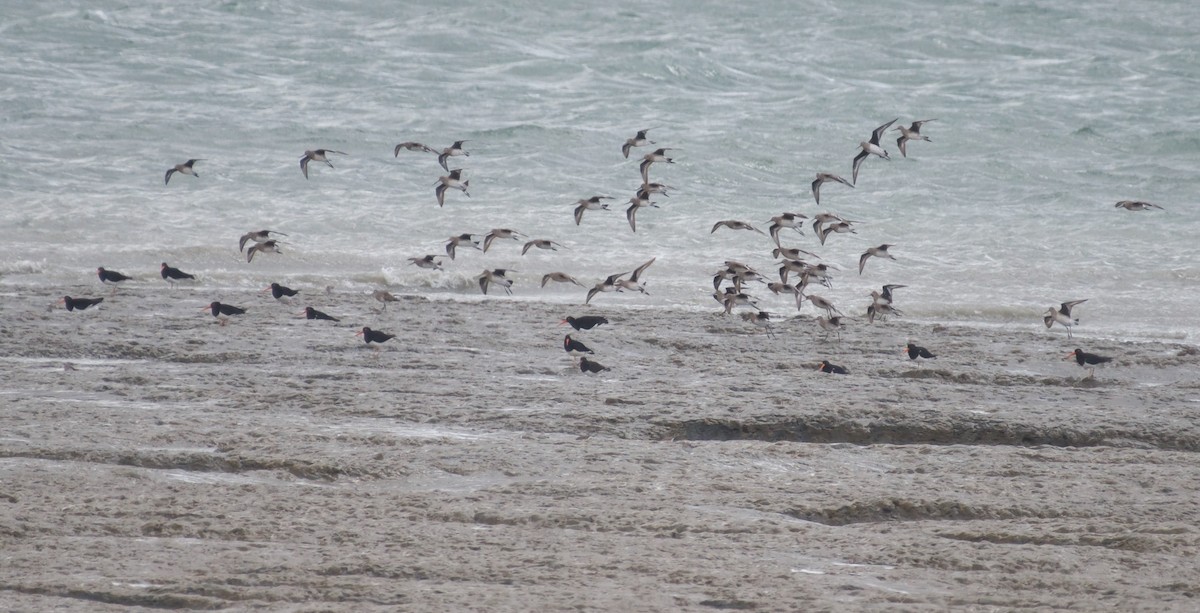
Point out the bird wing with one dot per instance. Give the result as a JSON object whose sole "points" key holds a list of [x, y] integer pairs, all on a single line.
{"points": [[875, 136], [637, 272], [858, 160], [167, 179], [304, 166], [862, 261]]}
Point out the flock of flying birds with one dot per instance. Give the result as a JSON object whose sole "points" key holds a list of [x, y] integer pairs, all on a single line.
{"points": [[796, 273]]}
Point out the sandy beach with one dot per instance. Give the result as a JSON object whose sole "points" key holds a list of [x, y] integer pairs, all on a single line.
{"points": [[153, 459]]}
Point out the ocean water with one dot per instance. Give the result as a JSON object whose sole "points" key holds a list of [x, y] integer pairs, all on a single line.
{"points": [[1047, 114]]}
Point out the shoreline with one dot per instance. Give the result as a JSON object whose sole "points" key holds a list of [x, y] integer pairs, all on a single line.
{"points": [[277, 462]]}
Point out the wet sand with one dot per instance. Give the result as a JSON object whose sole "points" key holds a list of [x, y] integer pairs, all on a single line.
{"points": [[154, 459]]}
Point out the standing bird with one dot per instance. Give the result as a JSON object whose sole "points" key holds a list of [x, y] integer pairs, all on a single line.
{"points": [[384, 296], [79, 303], [587, 322], [411, 146], [259, 236], [822, 177], [830, 324], [183, 169], [452, 151], [871, 148], [586, 365], [374, 336], [828, 367], [279, 292], [171, 275], [223, 311], [1062, 315], [761, 319], [1137, 205], [879, 252], [915, 351], [638, 140], [912, 132], [450, 181], [559, 277], [461, 239], [574, 347], [496, 276], [659, 155], [311, 313], [271, 246], [1088, 360], [589, 204], [316, 155], [111, 276]]}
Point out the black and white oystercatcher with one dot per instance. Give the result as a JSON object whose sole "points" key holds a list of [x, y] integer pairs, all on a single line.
{"points": [[111, 276], [915, 351], [311, 313], [574, 347], [223, 311], [1088, 360], [828, 367], [280, 292], [171, 275], [587, 322], [79, 303], [586, 365], [374, 336]]}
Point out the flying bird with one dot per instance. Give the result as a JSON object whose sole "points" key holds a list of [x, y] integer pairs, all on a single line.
{"points": [[259, 236], [450, 181], [461, 239], [541, 243], [912, 132], [879, 252], [427, 261], [1137, 205], [871, 148], [1062, 316], [452, 151], [411, 146], [497, 277], [500, 233], [823, 177], [316, 155], [271, 246], [559, 277], [638, 140], [734, 224], [183, 169], [659, 155]]}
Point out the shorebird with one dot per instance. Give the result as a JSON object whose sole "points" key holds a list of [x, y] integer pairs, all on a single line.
{"points": [[279, 292], [840, 227], [822, 303], [639, 201], [183, 169], [912, 132], [541, 243], [271, 246], [575, 347], [1062, 315], [1088, 360], [461, 239], [761, 319], [822, 177], [732, 299], [258, 236], [885, 296], [632, 282], [638, 140], [311, 313], [1137, 205], [879, 252], [586, 365], [374, 336], [452, 151], [500, 233], [384, 296], [496, 276], [587, 322], [646, 189], [794, 254], [559, 277], [607, 285], [881, 311], [450, 181], [830, 368], [589, 204], [171, 275], [915, 351], [785, 220], [111, 276], [79, 303], [427, 261], [316, 155], [830, 324], [223, 311], [734, 224], [659, 155], [871, 148], [411, 146]]}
